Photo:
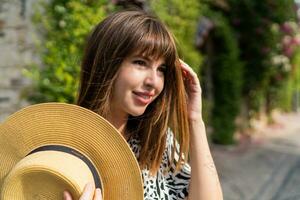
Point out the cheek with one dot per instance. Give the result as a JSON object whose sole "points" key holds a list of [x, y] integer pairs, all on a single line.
{"points": [[160, 86], [162, 82], [120, 87], [126, 81], [129, 75]]}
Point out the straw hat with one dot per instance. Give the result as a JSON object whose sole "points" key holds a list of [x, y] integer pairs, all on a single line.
{"points": [[51, 147]]}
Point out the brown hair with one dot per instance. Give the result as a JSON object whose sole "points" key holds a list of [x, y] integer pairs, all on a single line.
{"points": [[116, 37]]}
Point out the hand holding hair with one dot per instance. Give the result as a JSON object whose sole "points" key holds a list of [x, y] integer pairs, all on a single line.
{"points": [[193, 88]]}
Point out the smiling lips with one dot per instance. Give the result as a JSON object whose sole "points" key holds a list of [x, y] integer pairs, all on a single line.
{"points": [[143, 98]]}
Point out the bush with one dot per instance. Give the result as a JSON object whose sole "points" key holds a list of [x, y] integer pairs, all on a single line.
{"points": [[183, 25], [253, 21], [64, 26], [227, 80]]}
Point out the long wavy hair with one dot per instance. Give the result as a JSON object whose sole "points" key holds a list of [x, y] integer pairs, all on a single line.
{"points": [[116, 37]]}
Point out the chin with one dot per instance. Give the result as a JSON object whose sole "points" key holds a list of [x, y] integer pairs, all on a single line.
{"points": [[136, 113]]}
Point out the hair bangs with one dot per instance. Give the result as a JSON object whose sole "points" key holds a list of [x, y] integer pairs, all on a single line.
{"points": [[157, 43]]}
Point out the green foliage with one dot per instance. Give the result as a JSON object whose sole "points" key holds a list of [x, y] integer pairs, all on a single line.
{"points": [[64, 26], [296, 71], [295, 81], [253, 21], [283, 84], [181, 17], [227, 80]]}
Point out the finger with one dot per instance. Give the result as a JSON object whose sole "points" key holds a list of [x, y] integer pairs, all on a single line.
{"points": [[67, 195], [88, 192], [97, 195], [186, 68], [184, 65], [189, 73]]}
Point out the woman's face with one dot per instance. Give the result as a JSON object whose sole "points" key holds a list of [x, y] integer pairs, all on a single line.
{"points": [[140, 80]]}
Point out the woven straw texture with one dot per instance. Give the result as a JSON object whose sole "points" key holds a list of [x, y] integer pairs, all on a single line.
{"points": [[78, 128]]}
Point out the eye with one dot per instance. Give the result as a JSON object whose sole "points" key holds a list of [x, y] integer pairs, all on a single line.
{"points": [[140, 62], [162, 69]]}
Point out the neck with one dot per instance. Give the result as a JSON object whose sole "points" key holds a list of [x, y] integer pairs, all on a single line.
{"points": [[119, 122]]}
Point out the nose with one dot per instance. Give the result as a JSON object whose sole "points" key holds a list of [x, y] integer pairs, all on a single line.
{"points": [[152, 79]]}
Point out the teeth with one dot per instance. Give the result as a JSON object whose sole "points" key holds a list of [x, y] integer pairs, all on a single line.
{"points": [[145, 97]]}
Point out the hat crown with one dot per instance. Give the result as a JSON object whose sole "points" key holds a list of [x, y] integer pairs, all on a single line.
{"points": [[40, 171]]}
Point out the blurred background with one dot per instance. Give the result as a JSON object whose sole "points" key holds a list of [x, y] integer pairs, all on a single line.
{"points": [[246, 54]]}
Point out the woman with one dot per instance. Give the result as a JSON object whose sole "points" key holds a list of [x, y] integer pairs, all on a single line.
{"points": [[132, 76]]}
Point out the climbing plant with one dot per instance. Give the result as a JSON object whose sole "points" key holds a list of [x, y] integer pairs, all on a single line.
{"points": [[63, 26]]}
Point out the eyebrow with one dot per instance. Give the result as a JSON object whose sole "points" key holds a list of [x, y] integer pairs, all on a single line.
{"points": [[141, 56], [147, 59]]}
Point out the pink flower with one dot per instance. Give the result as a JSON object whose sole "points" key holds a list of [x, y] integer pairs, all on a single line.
{"points": [[285, 27], [288, 51]]}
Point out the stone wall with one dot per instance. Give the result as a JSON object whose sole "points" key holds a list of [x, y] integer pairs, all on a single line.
{"points": [[16, 53]]}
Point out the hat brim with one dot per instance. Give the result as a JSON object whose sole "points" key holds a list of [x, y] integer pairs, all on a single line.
{"points": [[81, 129]]}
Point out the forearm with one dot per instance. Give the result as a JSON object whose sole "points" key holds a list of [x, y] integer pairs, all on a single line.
{"points": [[204, 184]]}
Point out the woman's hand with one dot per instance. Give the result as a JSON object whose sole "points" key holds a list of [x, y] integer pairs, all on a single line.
{"points": [[193, 88], [89, 193]]}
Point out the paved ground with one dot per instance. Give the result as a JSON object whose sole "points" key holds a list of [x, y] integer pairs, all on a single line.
{"points": [[267, 168]]}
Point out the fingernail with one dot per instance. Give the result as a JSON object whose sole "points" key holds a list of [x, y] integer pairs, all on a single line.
{"points": [[98, 192], [65, 194]]}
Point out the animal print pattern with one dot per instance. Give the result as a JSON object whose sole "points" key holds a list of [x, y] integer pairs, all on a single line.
{"points": [[167, 184]]}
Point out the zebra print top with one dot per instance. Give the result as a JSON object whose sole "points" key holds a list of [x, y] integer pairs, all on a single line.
{"points": [[164, 186]]}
